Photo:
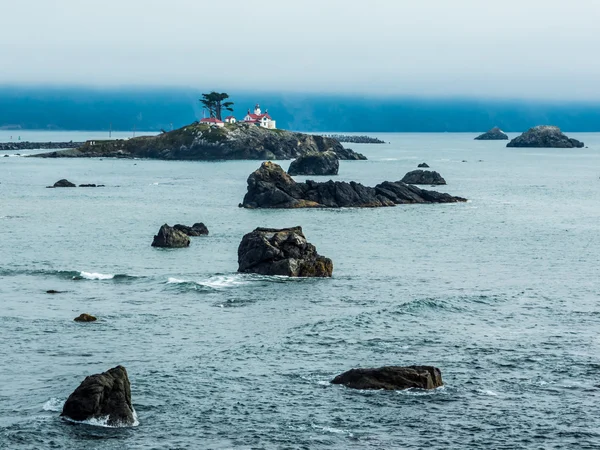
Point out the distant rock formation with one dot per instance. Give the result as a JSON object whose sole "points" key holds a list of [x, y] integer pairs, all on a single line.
{"points": [[25, 145], [545, 136], [169, 237], [324, 163], [105, 396], [495, 134], [270, 251], [198, 229], [62, 184], [345, 138], [204, 142], [423, 177], [270, 187], [91, 185], [392, 378], [85, 318], [423, 165]]}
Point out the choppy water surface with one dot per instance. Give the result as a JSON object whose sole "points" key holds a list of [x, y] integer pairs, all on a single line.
{"points": [[501, 293]]}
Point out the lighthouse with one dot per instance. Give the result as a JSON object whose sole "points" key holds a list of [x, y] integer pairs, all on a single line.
{"points": [[257, 110]]}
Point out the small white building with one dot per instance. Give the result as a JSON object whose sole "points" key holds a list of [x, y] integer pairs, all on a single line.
{"points": [[213, 121], [230, 119], [259, 119]]}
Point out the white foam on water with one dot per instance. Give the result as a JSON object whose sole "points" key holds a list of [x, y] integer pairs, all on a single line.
{"points": [[329, 429], [220, 282], [95, 276], [176, 281], [103, 422], [54, 404], [490, 393]]}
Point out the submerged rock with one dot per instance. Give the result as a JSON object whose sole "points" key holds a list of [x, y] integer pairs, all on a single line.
{"points": [[169, 237], [392, 378], [270, 187], [85, 318], [495, 134], [545, 136], [63, 183], [91, 185], [105, 396], [198, 229], [325, 163], [423, 177], [269, 251], [423, 165], [52, 291]]}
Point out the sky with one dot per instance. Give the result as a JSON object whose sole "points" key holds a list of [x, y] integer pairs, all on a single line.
{"points": [[538, 49]]}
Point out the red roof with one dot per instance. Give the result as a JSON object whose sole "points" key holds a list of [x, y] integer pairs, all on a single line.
{"points": [[259, 116], [210, 120], [229, 117]]}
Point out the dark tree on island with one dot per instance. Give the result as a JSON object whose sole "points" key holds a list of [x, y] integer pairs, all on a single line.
{"points": [[215, 103]]}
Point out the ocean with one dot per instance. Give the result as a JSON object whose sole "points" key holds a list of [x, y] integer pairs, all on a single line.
{"points": [[501, 293]]}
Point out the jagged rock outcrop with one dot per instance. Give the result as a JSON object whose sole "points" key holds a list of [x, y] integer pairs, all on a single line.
{"points": [[392, 378], [198, 229], [62, 184], [545, 136], [423, 177], [324, 163], [85, 318], [270, 187], [105, 396], [495, 134], [269, 251], [208, 143], [423, 166], [169, 237]]}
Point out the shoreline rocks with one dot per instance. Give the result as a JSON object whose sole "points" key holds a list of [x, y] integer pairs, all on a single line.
{"points": [[392, 378], [544, 136], [324, 163], [495, 134], [285, 252], [169, 237], [423, 177], [271, 187], [198, 229], [26, 145], [105, 396]]}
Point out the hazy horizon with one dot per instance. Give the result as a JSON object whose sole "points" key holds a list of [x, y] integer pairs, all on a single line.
{"points": [[527, 49]]}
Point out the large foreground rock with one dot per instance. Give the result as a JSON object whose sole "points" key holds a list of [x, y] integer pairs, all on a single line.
{"points": [[423, 177], [269, 251], [392, 378], [208, 143], [270, 187], [169, 237], [106, 396], [495, 134], [545, 136], [325, 163], [198, 229]]}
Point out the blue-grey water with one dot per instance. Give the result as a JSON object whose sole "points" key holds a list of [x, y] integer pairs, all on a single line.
{"points": [[501, 293]]}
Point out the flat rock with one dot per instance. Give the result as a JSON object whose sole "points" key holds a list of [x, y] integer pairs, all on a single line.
{"points": [[545, 136], [270, 251], [392, 378], [198, 229], [495, 134], [271, 187], [325, 163], [105, 397], [169, 237], [85, 318], [423, 177]]}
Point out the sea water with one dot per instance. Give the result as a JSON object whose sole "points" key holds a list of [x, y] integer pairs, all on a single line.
{"points": [[501, 293]]}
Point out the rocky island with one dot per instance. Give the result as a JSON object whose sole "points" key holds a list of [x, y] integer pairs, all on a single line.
{"points": [[206, 142], [271, 187], [545, 136], [495, 134]]}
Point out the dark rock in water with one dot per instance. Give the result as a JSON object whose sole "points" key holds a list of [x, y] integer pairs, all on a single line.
{"points": [[105, 396], [423, 177], [392, 378], [169, 237], [202, 142], [52, 291], [198, 229], [85, 318], [269, 251], [495, 134], [6, 156], [325, 163], [63, 183], [271, 187], [91, 185], [545, 136], [424, 165]]}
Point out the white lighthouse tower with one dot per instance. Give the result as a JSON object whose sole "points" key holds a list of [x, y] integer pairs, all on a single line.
{"points": [[257, 110]]}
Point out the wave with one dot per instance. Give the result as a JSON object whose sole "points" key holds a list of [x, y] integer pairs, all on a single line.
{"points": [[54, 404], [103, 422], [216, 282], [67, 274], [95, 276]]}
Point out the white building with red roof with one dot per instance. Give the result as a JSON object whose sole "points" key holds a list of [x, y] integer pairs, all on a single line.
{"points": [[259, 118], [213, 121], [230, 119]]}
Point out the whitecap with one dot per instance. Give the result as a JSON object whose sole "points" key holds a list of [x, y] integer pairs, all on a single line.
{"points": [[329, 429], [103, 422], [488, 392], [95, 276], [54, 404], [220, 282], [176, 281]]}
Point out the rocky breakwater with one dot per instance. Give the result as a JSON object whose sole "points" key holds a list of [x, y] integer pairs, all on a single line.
{"points": [[345, 138], [392, 378], [423, 177], [271, 187], [545, 136], [495, 134], [323, 163], [203, 142], [285, 252], [105, 397], [26, 145]]}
